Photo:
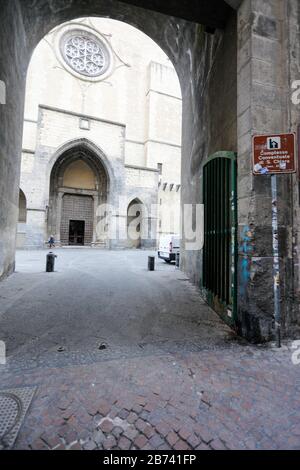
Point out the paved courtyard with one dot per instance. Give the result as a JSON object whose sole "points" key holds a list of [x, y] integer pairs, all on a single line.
{"points": [[123, 358]]}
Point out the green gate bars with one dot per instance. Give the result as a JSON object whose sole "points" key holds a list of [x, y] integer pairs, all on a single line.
{"points": [[219, 279]]}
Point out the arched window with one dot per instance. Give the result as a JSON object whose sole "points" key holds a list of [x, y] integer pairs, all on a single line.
{"points": [[22, 208]]}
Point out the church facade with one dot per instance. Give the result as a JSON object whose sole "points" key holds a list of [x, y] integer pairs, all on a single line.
{"points": [[101, 160]]}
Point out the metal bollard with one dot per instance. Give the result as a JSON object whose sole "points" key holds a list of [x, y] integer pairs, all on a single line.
{"points": [[151, 263], [177, 260], [50, 262]]}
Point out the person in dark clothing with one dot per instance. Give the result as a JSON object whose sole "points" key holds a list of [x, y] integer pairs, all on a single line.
{"points": [[51, 242]]}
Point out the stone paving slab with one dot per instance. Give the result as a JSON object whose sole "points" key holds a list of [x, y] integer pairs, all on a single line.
{"points": [[236, 398]]}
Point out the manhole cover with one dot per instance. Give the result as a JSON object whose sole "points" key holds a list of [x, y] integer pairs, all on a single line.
{"points": [[14, 404], [10, 413]]}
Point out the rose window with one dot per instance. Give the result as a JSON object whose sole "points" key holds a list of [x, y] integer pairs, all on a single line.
{"points": [[85, 54]]}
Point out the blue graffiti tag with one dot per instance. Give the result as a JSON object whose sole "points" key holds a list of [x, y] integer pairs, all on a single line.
{"points": [[246, 250]]}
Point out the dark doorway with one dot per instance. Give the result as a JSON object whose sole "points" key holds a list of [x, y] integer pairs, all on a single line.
{"points": [[77, 219], [76, 232]]}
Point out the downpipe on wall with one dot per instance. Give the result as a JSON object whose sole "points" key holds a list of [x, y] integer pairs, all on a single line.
{"points": [[276, 264]]}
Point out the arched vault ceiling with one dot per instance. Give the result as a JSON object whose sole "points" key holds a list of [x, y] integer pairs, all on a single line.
{"points": [[211, 13]]}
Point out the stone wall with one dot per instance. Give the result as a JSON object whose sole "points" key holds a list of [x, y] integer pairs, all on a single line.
{"points": [[292, 315], [263, 107]]}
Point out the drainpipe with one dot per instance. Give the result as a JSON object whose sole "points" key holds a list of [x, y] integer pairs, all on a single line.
{"points": [[276, 265]]}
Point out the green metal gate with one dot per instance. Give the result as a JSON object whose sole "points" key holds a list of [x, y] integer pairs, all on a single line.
{"points": [[219, 280]]}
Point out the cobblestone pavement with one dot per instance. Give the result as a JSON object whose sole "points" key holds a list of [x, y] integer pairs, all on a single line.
{"points": [[172, 393]]}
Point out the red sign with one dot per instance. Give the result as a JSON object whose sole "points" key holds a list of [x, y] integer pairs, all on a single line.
{"points": [[274, 154]]}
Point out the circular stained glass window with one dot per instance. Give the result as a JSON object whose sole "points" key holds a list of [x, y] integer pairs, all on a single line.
{"points": [[85, 53]]}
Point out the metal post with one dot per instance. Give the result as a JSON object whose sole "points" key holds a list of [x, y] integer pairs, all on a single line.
{"points": [[151, 263], [276, 265], [50, 262]]}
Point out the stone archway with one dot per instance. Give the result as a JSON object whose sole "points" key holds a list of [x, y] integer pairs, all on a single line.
{"points": [[203, 51], [25, 23], [79, 184]]}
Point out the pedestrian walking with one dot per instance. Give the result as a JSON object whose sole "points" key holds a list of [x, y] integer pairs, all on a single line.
{"points": [[51, 242]]}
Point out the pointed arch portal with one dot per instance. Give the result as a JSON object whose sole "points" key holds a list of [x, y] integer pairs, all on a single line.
{"points": [[79, 184]]}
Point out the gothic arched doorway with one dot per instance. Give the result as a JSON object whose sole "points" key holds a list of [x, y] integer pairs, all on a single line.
{"points": [[78, 186]]}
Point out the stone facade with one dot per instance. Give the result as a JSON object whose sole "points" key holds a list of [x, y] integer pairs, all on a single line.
{"points": [[130, 115]]}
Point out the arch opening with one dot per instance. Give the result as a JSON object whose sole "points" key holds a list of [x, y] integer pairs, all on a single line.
{"points": [[22, 220], [129, 116], [78, 186], [22, 208]]}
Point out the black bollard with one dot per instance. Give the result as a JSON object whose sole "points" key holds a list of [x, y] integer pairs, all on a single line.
{"points": [[177, 260], [151, 263], [50, 262]]}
